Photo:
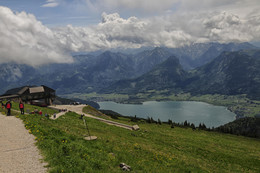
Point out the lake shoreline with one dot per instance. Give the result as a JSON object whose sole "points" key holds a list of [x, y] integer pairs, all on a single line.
{"points": [[229, 108], [237, 104], [178, 111]]}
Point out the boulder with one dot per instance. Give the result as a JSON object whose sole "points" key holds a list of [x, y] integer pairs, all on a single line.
{"points": [[135, 127], [125, 167]]}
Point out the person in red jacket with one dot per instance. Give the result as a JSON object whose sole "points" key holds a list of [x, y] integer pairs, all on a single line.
{"points": [[21, 106], [8, 106]]}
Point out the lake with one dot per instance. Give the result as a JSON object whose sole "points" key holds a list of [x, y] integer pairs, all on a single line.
{"points": [[177, 111]]}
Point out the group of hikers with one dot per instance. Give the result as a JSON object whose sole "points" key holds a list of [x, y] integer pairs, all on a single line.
{"points": [[8, 106]]}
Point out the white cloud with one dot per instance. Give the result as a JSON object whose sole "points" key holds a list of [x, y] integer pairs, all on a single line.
{"points": [[143, 5], [178, 22], [115, 31], [242, 7], [25, 40], [225, 27], [170, 31], [50, 3]]}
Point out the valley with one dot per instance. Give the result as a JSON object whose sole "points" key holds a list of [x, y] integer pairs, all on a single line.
{"points": [[230, 78], [108, 71], [130, 86]]}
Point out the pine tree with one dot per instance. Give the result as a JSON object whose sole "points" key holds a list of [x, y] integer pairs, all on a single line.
{"points": [[200, 126], [204, 126], [193, 126], [149, 120], [152, 120]]}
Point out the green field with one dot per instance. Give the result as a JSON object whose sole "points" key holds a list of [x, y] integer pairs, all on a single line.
{"points": [[154, 148], [97, 97]]}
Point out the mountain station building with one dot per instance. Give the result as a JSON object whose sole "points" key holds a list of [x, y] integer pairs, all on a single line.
{"points": [[36, 95]]}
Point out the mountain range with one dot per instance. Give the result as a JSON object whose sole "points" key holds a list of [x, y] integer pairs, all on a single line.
{"points": [[230, 73], [199, 68]]}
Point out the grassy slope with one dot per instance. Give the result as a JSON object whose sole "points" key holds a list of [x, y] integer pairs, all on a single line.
{"points": [[154, 148], [30, 108]]}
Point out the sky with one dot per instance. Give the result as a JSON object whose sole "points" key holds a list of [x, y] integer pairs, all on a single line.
{"points": [[37, 32]]}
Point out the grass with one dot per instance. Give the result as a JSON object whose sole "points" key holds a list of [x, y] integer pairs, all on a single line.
{"points": [[154, 148], [90, 110], [31, 108], [121, 119]]}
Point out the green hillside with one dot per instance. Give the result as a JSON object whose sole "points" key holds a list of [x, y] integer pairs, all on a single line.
{"points": [[154, 148]]}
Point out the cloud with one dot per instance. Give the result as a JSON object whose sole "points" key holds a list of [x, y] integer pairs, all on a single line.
{"points": [[114, 32], [25, 40], [50, 3], [144, 5], [175, 6], [225, 27], [171, 31]]}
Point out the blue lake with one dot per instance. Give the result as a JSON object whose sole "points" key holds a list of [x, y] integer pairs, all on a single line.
{"points": [[177, 111]]}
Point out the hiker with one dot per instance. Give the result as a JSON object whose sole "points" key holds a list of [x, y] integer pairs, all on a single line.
{"points": [[21, 106], [47, 116], [8, 106]]}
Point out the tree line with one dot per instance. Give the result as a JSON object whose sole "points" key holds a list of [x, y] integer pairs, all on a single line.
{"points": [[246, 126]]}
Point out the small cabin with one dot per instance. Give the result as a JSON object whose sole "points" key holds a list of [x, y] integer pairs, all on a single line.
{"points": [[37, 95]]}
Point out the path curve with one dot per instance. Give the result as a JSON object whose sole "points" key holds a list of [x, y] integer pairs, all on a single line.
{"points": [[18, 153], [78, 109]]}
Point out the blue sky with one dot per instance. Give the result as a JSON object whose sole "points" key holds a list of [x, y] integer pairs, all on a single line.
{"points": [[82, 12], [45, 31], [66, 12]]}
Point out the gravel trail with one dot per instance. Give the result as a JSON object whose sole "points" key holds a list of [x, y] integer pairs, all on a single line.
{"points": [[18, 154]]}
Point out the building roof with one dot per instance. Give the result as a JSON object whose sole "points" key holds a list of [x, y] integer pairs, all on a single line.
{"points": [[9, 96], [36, 90], [16, 92], [23, 90]]}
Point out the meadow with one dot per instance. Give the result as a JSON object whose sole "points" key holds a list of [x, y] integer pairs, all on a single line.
{"points": [[153, 148]]}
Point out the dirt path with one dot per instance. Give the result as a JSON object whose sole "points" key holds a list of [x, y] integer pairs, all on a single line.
{"points": [[18, 154], [78, 110]]}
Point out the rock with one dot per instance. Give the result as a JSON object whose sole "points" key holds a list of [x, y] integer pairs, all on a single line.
{"points": [[125, 167], [112, 155], [133, 134], [135, 127], [90, 138]]}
